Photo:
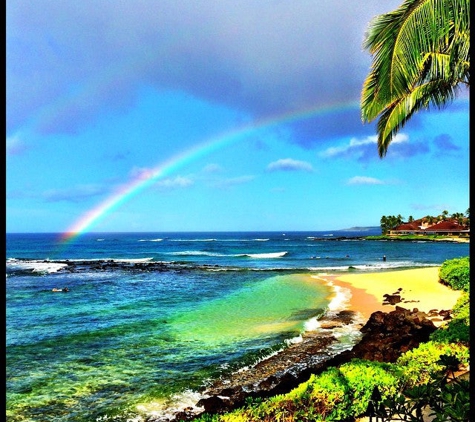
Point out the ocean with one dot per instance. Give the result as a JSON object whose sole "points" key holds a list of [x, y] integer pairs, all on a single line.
{"points": [[151, 318]]}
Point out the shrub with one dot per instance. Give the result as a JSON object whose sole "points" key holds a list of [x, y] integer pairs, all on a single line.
{"points": [[328, 395], [362, 376], [446, 397], [335, 394], [457, 330], [322, 397], [456, 273], [419, 364]]}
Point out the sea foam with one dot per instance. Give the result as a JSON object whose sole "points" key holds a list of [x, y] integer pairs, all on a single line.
{"points": [[34, 266], [266, 255]]}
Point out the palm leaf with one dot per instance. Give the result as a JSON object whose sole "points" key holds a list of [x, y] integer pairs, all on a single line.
{"points": [[421, 47], [395, 116]]}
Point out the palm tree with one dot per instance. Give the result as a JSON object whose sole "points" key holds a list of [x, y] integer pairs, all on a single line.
{"points": [[399, 220], [420, 58]]}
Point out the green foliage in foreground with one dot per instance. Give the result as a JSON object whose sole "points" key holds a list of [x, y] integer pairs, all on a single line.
{"points": [[418, 379], [418, 365], [345, 392], [336, 394], [444, 397], [458, 328], [456, 273]]}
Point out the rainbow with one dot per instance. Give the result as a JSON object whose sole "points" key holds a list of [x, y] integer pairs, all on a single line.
{"points": [[137, 185]]}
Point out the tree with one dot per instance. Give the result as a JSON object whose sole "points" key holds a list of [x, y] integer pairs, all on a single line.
{"points": [[420, 58], [390, 222]]}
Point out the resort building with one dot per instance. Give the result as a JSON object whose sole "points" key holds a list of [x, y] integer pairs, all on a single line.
{"points": [[449, 227]]}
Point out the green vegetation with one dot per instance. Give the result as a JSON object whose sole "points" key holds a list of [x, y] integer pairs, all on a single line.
{"points": [[409, 237], [391, 222], [447, 398], [456, 273], [421, 377], [421, 58], [418, 365]]}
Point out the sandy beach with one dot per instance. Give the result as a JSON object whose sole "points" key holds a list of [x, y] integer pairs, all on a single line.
{"points": [[418, 288]]}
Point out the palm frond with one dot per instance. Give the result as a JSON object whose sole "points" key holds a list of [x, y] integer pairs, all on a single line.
{"points": [[421, 53], [433, 93]]}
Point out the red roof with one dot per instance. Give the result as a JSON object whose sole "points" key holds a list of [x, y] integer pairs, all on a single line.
{"points": [[408, 226], [445, 225]]}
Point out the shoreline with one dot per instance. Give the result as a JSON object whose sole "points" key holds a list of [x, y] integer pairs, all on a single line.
{"points": [[417, 288], [410, 289], [419, 238]]}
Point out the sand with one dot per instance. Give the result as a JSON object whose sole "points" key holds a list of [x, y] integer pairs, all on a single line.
{"points": [[419, 288]]}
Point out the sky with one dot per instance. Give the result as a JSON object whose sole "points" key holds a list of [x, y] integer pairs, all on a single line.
{"points": [[211, 115]]}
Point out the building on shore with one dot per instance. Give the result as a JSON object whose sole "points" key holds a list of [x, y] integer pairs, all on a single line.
{"points": [[449, 227]]}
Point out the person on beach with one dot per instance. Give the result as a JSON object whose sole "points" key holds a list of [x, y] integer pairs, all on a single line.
{"points": [[384, 257]]}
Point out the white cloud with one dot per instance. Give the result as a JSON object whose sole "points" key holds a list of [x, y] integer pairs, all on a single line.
{"points": [[364, 180], [357, 147], [176, 182], [289, 164]]}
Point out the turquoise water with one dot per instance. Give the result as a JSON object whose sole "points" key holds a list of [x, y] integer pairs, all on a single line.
{"points": [[127, 342], [115, 341]]}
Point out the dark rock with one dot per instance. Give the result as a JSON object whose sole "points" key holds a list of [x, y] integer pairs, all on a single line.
{"points": [[391, 299], [388, 335], [446, 314], [221, 403], [185, 415], [213, 404]]}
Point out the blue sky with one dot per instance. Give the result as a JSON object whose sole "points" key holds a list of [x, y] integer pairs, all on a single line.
{"points": [[225, 116]]}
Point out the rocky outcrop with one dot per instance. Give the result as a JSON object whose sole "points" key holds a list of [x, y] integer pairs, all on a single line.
{"points": [[388, 335]]}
